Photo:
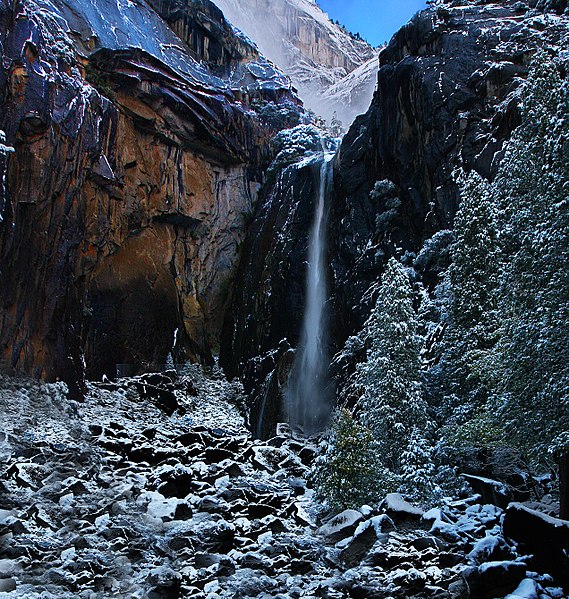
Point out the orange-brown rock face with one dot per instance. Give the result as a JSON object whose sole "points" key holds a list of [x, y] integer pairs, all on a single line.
{"points": [[128, 194]]}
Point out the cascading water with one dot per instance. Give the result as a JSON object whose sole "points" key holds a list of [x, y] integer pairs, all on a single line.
{"points": [[307, 401]]}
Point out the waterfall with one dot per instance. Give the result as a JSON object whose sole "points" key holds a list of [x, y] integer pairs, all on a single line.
{"points": [[307, 402]]}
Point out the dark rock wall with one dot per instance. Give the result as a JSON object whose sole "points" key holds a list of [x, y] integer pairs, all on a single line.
{"points": [[264, 321], [138, 160], [268, 300], [135, 172], [447, 98]]}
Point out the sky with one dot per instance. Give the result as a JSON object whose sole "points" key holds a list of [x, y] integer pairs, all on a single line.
{"points": [[375, 20]]}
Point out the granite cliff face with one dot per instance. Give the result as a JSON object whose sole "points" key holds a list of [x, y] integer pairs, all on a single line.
{"points": [[139, 133], [268, 301], [132, 223], [333, 71], [447, 98]]}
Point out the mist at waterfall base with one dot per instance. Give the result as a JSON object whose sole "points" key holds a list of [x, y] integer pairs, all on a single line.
{"points": [[307, 394]]}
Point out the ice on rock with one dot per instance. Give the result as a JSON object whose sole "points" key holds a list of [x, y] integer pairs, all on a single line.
{"points": [[433, 514], [161, 507]]}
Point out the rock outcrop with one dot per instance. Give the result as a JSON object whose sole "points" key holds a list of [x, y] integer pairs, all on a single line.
{"points": [[266, 314], [139, 137]]}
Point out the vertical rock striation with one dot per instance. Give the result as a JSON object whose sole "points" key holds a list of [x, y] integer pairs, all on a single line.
{"points": [[136, 167]]}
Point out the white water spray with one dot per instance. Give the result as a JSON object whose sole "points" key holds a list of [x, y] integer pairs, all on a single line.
{"points": [[308, 406]]}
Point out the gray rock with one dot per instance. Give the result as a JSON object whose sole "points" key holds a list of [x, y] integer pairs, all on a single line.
{"points": [[367, 534], [7, 585], [495, 579], [544, 537], [422, 543], [340, 526]]}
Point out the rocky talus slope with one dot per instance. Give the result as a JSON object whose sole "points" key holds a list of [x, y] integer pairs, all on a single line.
{"points": [[153, 488], [139, 133], [319, 55]]}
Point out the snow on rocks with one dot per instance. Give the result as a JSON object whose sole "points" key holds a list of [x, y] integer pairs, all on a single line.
{"points": [[491, 491], [400, 509], [118, 497], [527, 589], [340, 525]]}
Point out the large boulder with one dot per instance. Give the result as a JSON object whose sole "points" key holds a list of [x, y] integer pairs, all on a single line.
{"points": [[494, 579], [491, 491], [340, 526], [401, 510], [366, 535], [543, 537]]}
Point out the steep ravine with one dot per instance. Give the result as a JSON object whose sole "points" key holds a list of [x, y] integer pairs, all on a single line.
{"points": [[447, 98]]}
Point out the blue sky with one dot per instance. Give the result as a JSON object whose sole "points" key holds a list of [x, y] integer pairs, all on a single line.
{"points": [[375, 20]]}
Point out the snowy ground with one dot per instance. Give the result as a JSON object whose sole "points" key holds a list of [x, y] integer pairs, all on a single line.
{"points": [[114, 498]]}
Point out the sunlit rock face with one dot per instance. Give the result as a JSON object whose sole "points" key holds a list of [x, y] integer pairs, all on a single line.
{"points": [[333, 71], [136, 167]]}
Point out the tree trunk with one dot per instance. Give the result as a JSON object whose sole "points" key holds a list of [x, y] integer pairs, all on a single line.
{"points": [[564, 486]]}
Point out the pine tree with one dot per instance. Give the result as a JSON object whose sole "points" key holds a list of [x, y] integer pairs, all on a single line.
{"points": [[532, 358], [418, 470], [506, 358], [348, 474], [472, 281], [392, 404]]}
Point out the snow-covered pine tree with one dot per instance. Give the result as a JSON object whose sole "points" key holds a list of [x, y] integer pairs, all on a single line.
{"points": [[532, 190], [392, 405], [418, 471], [471, 285], [348, 474]]}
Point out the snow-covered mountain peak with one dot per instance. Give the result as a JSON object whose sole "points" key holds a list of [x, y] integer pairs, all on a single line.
{"points": [[318, 54]]}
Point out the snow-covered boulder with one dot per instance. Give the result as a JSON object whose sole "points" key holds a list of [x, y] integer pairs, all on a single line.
{"points": [[365, 537], [400, 509], [340, 526]]}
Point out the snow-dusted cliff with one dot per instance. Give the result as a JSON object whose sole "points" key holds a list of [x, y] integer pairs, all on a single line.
{"points": [[320, 56], [139, 133]]}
